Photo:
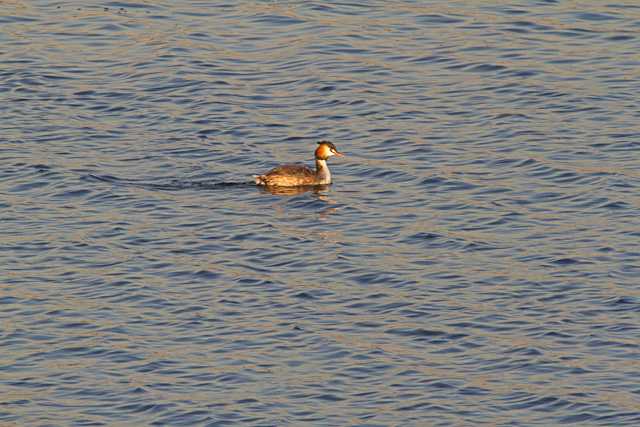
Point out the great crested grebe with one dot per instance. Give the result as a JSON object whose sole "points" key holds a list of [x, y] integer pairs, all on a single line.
{"points": [[298, 175]]}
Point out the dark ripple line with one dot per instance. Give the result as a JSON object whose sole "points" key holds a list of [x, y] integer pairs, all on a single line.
{"points": [[170, 186]]}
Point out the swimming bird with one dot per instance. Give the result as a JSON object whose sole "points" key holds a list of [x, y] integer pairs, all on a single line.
{"points": [[299, 175]]}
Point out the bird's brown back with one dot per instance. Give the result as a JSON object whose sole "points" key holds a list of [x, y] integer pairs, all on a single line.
{"points": [[287, 175]]}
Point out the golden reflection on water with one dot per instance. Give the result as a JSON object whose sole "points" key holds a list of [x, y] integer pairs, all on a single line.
{"points": [[318, 190], [294, 293]]}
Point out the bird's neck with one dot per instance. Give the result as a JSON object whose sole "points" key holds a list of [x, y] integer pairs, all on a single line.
{"points": [[322, 171]]}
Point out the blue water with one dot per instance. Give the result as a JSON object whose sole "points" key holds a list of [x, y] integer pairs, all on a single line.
{"points": [[475, 262]]}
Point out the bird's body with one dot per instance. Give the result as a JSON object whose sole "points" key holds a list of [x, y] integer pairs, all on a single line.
{"points": [[300, 175], [291, 176]]}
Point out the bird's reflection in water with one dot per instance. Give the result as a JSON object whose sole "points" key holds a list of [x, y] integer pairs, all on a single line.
{"points": [[319, 190]]}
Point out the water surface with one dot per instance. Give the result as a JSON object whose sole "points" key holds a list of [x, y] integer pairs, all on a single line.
{"points": [[474, 263]]}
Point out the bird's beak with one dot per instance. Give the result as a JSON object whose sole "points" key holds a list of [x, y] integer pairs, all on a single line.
{"points": [[339, 154]]}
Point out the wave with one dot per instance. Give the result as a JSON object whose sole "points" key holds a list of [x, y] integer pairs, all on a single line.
{"points": [[171, 185]]}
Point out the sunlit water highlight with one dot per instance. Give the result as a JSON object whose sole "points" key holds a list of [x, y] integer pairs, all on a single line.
{"points": [[474, 263]]}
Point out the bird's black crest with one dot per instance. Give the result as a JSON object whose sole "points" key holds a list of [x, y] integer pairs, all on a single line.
{"points": [[329, 143]]}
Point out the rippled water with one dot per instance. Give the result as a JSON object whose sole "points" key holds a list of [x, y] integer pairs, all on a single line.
{"points": [[476, 261]]}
